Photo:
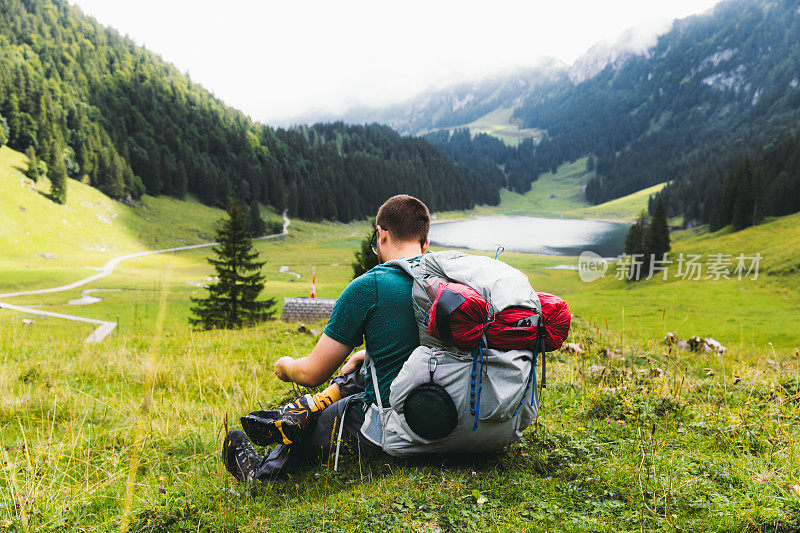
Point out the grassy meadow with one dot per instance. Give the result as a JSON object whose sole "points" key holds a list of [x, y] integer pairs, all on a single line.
{"points": [[125, 435], [497, 123]]}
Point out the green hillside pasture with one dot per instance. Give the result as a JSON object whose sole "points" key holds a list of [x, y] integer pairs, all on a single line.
{"points": [[86, 232], [570, 200], [626, 208], [566, 184], [749, 314], [128, 432], [498, 124], [130, 292]]}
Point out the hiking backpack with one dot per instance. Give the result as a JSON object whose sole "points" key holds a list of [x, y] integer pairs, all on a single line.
{"points": [[481, 332]]}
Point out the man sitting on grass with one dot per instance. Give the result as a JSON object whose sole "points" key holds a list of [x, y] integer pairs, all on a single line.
{"points": [[376, 308]]}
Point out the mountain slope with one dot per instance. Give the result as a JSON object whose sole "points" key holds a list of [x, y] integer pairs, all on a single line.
{"points": [[684, 104], [463, 103], [128, 123], [91, 228], [715, 87]]}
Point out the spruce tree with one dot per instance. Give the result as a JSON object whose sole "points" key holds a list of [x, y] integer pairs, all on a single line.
{"points": [[757, 187], [658, 232], [636, 244], [365, 258], [231, 301], [3, 131], [35, 168], [58, 181], [255, 223], [743, 206]]}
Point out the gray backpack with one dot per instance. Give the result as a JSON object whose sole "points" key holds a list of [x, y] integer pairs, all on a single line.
{"points": [[493, 392]]}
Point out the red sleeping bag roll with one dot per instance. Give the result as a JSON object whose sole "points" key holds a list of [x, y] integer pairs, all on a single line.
{"points": [[459, 317], [557, 319], [513, 328]]}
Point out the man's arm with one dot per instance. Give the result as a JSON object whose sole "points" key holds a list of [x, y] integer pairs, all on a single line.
{"points": [[355, 361], [317, 367]]}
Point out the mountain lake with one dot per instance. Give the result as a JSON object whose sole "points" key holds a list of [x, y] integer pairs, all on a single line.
{"points": [[535, 235]]}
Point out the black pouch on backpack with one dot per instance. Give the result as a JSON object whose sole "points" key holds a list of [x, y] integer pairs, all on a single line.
{"points": [[429, 410]]}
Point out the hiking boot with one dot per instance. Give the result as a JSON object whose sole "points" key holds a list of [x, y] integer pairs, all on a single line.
{"points": [[284, 425], [290, 423], [246, 464], [280, 461], [240, 458]]}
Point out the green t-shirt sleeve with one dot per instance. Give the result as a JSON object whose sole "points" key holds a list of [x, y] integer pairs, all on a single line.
{"points": [[350, 313]]}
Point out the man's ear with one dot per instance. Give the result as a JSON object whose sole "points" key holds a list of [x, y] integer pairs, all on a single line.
{"points": [[426, 245], [385, 237]]}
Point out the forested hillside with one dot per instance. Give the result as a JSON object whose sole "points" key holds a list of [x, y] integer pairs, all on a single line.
{"points": [[768, 185], [715, 89], [127, 122], [516, 166]]}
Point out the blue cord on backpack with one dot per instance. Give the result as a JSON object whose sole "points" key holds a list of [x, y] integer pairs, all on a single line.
{"points": [[472, 383], [478, 351], [539, 341], [475, 399]]}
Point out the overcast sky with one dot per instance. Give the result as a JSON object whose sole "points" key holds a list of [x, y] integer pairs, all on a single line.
{"points": [[280, 59]]}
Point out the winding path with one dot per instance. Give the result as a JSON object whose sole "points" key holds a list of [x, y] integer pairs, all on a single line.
{"points": [[105, 327]]}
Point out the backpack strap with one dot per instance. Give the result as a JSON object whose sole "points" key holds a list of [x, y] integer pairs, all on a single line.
{"points": [[374, 424], [410, 266], [369, 363]]}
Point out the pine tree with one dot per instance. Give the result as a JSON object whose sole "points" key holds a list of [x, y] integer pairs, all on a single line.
{"points": [[58, 181], [743, 206], [14, 121], [636, 245], [658, 232], [35, 168], [3, 131], [757, 188], [231, 301], [365, 257], [255, 224]]}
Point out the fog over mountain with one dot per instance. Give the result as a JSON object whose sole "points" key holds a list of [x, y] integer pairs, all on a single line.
{"points": [[463, 102], [685, 102]]}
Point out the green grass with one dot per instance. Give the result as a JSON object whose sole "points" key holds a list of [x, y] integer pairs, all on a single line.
{"points": [[566, 184], [86, 232], [625, 208], [561, 194], [129, 430], [497, 123]]}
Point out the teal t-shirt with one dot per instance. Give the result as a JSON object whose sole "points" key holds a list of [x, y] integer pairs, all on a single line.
{"points": [[376, 307]]}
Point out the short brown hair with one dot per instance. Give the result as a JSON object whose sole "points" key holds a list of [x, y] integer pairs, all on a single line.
{"points": [[406, 218]]}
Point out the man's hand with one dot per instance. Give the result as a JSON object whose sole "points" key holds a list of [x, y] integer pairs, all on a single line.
{"points": [[316, 368], [282, 368], [355, 361]]}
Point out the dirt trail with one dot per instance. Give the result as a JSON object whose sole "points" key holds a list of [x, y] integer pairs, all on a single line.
{"points": [[105, 327]]}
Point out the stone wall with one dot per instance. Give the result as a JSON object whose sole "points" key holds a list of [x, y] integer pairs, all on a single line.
{"points": [[307, 309]]}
